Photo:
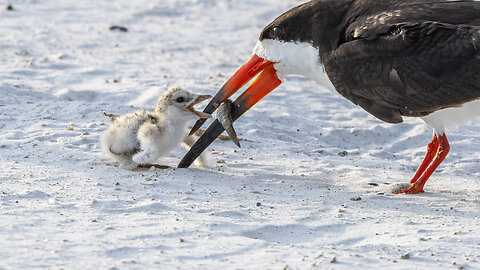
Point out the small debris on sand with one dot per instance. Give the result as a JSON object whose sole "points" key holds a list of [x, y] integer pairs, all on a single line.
{"points": [[406, 256], [118, 28], [52, 201], [111, 116]]}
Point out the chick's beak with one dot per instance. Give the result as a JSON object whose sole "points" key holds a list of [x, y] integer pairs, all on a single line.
{"points": [[265, 83], [200, 98]]}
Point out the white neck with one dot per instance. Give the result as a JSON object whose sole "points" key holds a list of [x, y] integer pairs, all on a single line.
{"points": [[176, 117], [294, 58]]}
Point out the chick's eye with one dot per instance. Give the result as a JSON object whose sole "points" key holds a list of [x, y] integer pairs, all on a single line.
{"points": [[180, 99]]}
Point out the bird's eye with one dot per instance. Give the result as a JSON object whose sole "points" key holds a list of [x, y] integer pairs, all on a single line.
{"points": [[277, 32], [180, 99]]}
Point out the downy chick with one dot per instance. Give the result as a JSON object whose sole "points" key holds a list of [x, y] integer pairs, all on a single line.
{"points": [[142, 137]]}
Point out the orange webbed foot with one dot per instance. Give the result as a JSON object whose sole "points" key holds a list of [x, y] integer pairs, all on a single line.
{"points": [[413, 189]]}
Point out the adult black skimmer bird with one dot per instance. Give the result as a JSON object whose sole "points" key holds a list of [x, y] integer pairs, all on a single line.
{"points": [[393, 58]]}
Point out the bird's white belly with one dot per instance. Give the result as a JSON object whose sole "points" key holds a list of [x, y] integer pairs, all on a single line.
{"points": [[451, 117], [174, 135]]}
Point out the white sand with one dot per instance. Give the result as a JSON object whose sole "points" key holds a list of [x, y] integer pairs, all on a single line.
{"points": [[282, 200]]}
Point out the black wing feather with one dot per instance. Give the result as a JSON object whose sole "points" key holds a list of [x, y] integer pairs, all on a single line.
{"points": [[396, 64]]}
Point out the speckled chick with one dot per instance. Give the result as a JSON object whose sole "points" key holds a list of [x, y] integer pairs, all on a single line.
{"points": [[142, 137]]}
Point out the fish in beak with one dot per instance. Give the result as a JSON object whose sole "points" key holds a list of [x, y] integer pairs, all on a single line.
{"points": [[224, 116], [265, 83]]}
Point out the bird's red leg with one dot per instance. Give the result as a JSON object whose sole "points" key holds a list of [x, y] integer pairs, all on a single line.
{"points": [[442, 152], [431, 152]]}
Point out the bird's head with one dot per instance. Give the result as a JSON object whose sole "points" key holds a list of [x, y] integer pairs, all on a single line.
{"points": [[294, 43], [178, 102]]}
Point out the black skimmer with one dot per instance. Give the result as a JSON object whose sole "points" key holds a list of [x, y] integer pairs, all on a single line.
{"points": [[142, 137], [393, 58]]}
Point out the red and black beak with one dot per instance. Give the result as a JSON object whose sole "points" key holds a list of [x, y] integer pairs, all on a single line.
{"points": [[265, 83]]}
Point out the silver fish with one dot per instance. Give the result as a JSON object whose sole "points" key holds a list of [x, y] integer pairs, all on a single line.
{"points": [[224, 116]]}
